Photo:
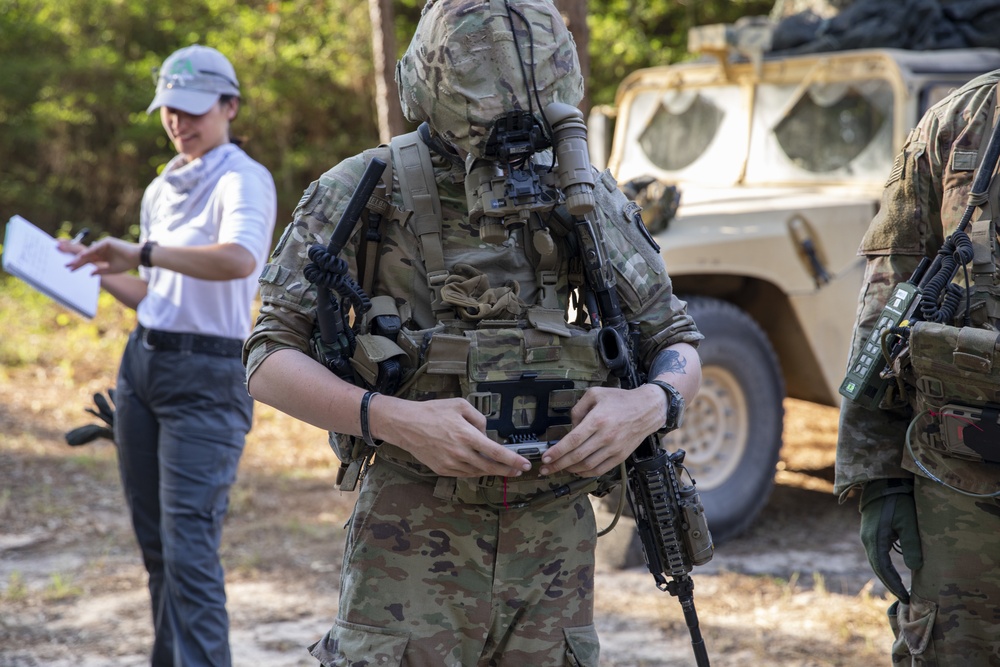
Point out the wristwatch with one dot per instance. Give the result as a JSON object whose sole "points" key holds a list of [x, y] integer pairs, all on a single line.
{"points": [[675, 406]]}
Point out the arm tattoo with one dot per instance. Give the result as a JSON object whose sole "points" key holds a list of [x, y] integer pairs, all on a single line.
{"points": [[668, 361]]}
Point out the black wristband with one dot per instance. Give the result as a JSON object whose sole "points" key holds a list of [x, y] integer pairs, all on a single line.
{"points": [[675, 407], [366, 433], [144, 252]]}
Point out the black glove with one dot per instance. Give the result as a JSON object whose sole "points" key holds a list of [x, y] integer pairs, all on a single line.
{"points": [[90, 432], [888, 516]]}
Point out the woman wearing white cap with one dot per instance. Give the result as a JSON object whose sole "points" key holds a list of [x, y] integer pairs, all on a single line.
{"points": [[182, 408]]}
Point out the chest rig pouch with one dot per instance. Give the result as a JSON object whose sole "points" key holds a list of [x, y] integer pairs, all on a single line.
{"points": [[955, 435], [952, 372], [526, 381], [522, 366]]}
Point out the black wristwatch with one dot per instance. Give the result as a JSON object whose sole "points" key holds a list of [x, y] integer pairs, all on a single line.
{"points": [[675, 406]]}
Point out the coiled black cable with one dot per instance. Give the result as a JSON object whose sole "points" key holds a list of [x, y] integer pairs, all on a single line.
{"points": [[330, 271], [941, 298]]}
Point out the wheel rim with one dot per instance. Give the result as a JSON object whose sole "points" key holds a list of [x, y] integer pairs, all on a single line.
{"points": [[715, 431]]}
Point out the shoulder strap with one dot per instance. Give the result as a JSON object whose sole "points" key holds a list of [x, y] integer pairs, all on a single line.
{"points": [[982, 231], [986, 208], [419, 191]]}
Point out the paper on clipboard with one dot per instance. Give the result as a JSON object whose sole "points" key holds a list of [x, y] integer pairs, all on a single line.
{"points": [[33, 256]]}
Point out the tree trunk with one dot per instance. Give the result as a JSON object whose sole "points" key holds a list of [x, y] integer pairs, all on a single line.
{"points": [[390, 115], [574, 12]]}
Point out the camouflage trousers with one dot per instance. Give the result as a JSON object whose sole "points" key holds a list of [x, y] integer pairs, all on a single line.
{"points": [[953, 619], [429, 580]]}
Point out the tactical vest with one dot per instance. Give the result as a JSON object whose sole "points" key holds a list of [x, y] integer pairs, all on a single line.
{"points": [[951, 373], [523, 366]]}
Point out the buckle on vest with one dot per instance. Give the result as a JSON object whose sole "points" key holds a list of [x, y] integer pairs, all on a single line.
{"points": [[547, 287], [435, 281]]}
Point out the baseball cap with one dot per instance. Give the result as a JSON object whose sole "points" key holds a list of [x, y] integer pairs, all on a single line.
{"points": [[192, 79]]}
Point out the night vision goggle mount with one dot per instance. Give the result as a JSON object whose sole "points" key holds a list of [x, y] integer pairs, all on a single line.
{"points": [[506, 185]]}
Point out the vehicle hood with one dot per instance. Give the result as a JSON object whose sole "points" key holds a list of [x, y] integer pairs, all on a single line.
{"points": [[697, 201]]}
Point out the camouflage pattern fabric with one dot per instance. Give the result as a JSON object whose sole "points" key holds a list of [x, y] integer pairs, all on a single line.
{"points": [[431, 580], [463, 68], [954, 615], [287, 320], [955, 366], [922, 203], [458, 571], [287, 315], [952, 618]]}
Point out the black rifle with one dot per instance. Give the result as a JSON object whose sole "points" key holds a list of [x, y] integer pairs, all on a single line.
{"points": [[668, 515]]}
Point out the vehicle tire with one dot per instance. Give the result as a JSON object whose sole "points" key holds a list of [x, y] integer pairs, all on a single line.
{"points": [[732, 429], [731, 433]]}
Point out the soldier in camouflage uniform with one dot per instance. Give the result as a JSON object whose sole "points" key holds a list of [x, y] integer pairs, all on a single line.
{"points": [[934, 499], [460, 551]]}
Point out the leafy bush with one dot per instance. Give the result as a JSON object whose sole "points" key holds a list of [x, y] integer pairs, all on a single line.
{"points": [[40, 333]]}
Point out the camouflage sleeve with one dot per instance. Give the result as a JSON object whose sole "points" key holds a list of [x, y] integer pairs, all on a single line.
{"points": [[922, 197], [288, 301], [643, 284], [870, 442]]}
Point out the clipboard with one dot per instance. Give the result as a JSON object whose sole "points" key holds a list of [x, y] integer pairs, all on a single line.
{"points": [[33, 256]]}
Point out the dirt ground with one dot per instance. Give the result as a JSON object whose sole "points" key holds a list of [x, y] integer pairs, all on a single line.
{"points": [[794, 591]]}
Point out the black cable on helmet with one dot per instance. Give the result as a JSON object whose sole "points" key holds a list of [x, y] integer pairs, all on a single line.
{"points": [[530, 85]]}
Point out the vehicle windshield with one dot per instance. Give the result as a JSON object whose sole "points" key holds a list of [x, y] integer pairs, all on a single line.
{"points": [[823, 132], [686, 135]]}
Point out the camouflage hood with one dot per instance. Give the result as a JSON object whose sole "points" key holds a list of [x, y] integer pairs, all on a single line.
{"points": [[465, 67]]}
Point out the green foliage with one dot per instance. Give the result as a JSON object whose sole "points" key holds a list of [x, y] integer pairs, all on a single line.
{"points": [[79, 148], [85, 347], [628, 34], [16, 590], [78, 144], [61, 587]]}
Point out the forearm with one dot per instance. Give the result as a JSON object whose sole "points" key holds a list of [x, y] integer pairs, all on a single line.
{"points": [[870, 445], [300, 386], [679, 365], [223, 261], [448, 436], [129, 290]]}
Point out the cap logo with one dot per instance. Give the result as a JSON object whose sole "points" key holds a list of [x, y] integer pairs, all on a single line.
{"points": [[181, 67]]}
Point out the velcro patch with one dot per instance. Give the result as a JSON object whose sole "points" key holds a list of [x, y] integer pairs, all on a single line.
{"points": [[964, 160]]}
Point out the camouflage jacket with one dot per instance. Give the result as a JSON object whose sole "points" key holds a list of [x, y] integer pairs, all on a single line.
{"points": [[923, 201], [288, 301]]}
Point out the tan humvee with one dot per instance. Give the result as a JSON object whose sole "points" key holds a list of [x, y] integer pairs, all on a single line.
{"points": [[780, 163]]}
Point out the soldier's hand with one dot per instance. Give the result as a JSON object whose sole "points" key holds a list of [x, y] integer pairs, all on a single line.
{"points": [[888, 516], [608, 424], [446, 435]]}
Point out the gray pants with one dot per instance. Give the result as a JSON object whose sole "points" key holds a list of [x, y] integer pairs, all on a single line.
{"points": [[180, 424]]}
